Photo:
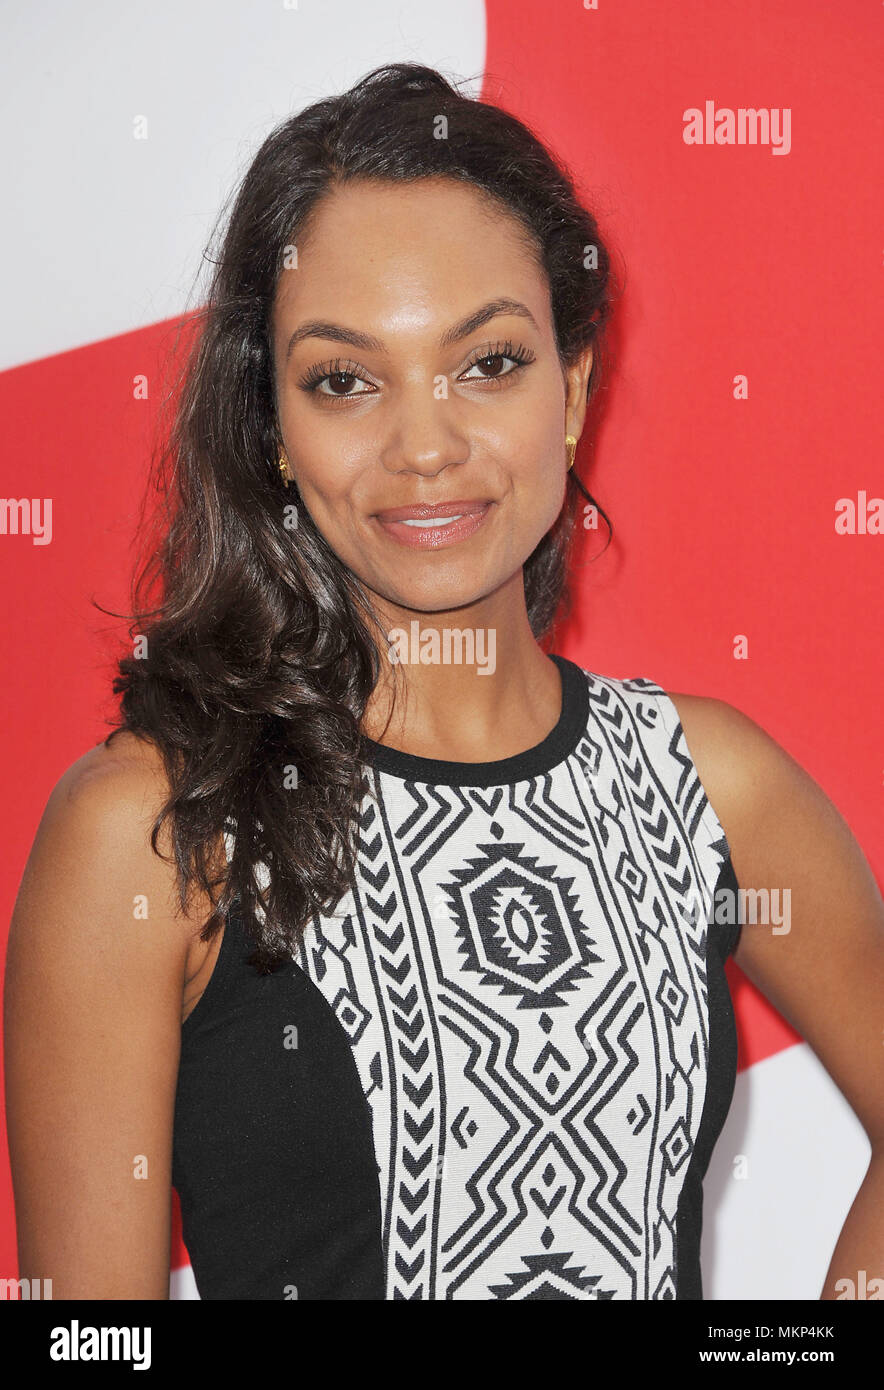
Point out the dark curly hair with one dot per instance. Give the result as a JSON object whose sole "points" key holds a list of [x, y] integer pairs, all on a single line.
{"points": [[258, 656]]}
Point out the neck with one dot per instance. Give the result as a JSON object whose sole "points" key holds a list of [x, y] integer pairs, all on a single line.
{"points": [[468, 684]]}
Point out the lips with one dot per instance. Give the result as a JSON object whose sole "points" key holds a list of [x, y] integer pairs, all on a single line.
{"points": [[422, 511], [425, 527]]}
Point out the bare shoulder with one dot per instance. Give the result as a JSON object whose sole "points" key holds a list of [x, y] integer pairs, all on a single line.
{"points": [[821, 962], [745, 772], [103, 806], [730, 751], [772, 810], [95, 837], [126, 773]]}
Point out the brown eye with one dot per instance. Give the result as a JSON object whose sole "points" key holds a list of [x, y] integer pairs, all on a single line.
{"points": [[340, 379], [486, 363], [341, 382], [491, 366], [490, 363]]}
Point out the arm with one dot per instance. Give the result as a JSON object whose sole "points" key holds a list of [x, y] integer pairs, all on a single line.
{"points": [[826, 975], [92, 1034]]}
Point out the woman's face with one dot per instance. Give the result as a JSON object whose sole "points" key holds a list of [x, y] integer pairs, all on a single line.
{"points": [[418, 416]]}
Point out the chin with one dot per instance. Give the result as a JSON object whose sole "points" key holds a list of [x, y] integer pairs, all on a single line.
{"points": [[427, 607], [439, 593]]}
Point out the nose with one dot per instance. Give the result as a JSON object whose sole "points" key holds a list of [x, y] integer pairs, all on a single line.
{"points": [[423, 437]]}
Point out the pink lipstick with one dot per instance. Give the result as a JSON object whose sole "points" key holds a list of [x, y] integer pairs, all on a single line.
{"points": [[424, 527]]}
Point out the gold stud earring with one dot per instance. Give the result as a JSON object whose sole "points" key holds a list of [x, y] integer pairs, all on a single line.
{"points": [[283, 468], [571, 443]]}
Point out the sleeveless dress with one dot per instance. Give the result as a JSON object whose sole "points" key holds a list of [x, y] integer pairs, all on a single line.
{"points": [[498, 1069]]}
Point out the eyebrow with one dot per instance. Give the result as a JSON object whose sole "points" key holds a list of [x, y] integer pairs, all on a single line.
{"points": [[366, 342]]}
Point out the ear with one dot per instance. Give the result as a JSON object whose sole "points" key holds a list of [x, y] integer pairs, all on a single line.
{"points": [[576, 384]]}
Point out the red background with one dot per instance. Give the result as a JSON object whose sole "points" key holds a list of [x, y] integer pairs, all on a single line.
{"points": [[737, 260]]}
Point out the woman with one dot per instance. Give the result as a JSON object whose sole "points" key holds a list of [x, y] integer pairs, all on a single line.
{"points": [[396, 944]]}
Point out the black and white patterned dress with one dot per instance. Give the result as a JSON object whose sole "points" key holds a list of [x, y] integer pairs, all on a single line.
{"points": [[498, 1069]]}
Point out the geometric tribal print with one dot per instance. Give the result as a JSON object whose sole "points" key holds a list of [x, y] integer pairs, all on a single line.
{"points": [[521, 973]]}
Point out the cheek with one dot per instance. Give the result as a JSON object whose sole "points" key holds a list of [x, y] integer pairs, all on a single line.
{"points": [[328, 483], [534, 442], [539, 482]]}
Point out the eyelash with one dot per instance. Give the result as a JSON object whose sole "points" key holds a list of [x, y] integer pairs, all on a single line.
{"points": [[312, 379]]}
